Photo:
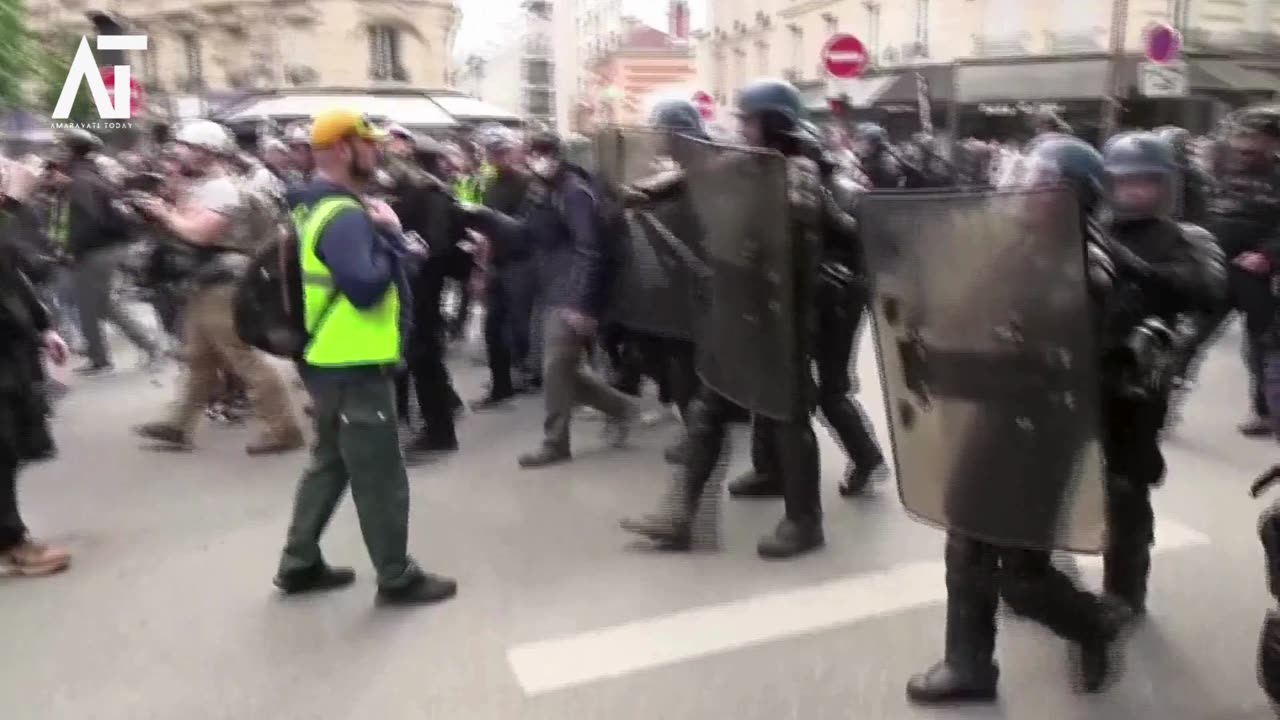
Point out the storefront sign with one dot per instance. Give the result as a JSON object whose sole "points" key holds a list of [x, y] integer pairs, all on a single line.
{"points": [[1025, 108], [1163, 80]]}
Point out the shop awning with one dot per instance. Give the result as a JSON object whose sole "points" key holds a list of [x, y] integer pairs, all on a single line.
{"points": [[469, 109], [862, 92], [409, 110], [1231, 75], [1033, 81]]}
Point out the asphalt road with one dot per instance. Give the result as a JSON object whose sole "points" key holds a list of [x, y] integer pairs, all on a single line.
{"points": [[168, 611]]}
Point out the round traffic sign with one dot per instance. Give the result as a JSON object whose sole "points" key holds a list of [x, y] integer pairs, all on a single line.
{"points": [[705, 103], [137, 95], [844, 56], [1163, 43]]}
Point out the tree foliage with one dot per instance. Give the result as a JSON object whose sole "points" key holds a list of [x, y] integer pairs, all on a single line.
{"points": [[50, 67], [15, 53]]}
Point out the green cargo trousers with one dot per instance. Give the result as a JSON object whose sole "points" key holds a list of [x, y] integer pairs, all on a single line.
{"points": [[357, 444]]}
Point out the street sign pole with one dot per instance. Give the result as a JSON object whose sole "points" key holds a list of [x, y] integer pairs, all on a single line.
{"points": [[1113, 91]]}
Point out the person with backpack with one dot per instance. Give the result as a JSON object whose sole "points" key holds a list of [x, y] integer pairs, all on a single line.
{"points": [[564, 221], [357, 310], [217, 220]]}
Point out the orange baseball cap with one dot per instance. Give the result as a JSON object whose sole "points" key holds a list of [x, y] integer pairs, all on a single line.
{"points": [[333, 126]]}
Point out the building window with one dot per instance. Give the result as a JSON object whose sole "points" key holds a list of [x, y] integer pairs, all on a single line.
{"points": [[149, 68], [538, 72], [797, 47], [385, 59], [718, 73], [194, 56], [762, 57]]}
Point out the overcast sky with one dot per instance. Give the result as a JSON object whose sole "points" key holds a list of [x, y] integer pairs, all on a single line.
{"points": [[481, 17]]}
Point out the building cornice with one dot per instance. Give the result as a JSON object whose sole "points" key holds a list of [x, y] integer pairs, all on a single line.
{"points": [[806, 7]]}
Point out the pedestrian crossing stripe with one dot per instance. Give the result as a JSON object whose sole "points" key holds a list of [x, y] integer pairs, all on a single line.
{"points": [[612, 652]]}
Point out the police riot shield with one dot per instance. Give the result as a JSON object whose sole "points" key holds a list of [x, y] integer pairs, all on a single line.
{"points": [[749, 329], [659, 265], [986, 349]]}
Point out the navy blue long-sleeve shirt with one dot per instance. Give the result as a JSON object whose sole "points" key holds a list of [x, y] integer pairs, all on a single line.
{"points": [[363, 260], [564, 232]]}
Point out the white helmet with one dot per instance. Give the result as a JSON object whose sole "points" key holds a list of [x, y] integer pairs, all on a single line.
{"points": [[206, 135]]}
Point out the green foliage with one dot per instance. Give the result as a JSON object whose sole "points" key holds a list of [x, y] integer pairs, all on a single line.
{"points": [[51, 66], [15, 52]]}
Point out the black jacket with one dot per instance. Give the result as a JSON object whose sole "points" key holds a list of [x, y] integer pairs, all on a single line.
{"points": [[93, 222], [24, 431]]}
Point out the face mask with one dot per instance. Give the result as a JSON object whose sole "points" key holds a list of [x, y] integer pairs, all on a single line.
{"points": [[543, 167]]}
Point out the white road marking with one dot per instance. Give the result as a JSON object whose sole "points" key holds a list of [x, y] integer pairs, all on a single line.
{"points": [[550, 665]]}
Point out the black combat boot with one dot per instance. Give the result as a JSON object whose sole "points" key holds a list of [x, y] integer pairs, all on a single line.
{"points": [[791, 538], [754, 484], [797, 453], [1126, 569], [967, 673]]}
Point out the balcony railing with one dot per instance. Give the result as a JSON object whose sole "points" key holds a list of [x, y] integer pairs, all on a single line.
{"points": [[1000, 45]]}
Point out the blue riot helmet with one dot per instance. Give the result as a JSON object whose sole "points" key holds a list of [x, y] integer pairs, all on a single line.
{"points": [[679, 116], [1142, 176], [775, 105], [1056, 158], [1178, 138], [869, 139]]}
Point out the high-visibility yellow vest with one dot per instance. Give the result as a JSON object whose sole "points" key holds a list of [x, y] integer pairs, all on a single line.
{"points": [[467, 189], [342, 335]]}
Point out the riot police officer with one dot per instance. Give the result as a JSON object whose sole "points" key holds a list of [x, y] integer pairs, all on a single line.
{"points": [[979, 573], [770, 111], [1163, 269], [841, 303], [882, 169]]}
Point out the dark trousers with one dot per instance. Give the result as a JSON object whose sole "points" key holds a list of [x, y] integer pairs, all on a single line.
{"points": [[979, 574], [357, 446], [12, 529], [839, 322], [508, 313], [794, 442], [1134, 465], [433, 385]]}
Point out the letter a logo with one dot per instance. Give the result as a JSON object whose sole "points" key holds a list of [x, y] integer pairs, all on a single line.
{"points": [[85, 67]]}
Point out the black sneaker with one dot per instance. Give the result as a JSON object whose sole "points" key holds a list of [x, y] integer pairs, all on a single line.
{"points": [[424, 590], [316, 579], [94, 369], [492, 401]]}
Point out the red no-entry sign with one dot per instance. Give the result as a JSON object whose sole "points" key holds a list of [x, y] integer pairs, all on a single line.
{"points": [[705, 103], [1164, 43], [137, 95], [844, 56]]}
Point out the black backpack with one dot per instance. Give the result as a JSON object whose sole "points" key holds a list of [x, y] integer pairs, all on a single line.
{"points": [[269, 313]]}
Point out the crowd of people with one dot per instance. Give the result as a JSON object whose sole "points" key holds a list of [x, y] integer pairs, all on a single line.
{"points": [[379, 226]]}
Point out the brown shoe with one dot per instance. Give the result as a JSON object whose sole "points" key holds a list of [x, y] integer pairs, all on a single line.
{"points": [[276, 444], [33, 559]]}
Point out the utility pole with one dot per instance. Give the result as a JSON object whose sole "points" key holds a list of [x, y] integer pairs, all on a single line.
{"points": [[1114, 90]]}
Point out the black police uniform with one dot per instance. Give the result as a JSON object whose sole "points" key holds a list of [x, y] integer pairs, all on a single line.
{"points": [[1163, 270], [841, 303], [778, 106], [426, 206], [979, 573]]}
